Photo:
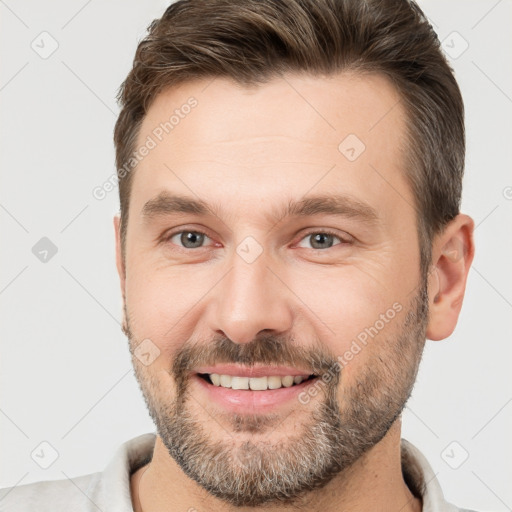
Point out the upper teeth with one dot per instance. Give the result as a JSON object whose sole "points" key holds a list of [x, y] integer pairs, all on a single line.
{"points": [[254, 383]]}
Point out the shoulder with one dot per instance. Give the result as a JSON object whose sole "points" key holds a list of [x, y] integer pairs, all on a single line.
{"points": [[54, 495], [106, 490]]}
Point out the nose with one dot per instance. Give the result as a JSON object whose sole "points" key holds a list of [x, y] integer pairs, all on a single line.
{"points": [[251, 298]]}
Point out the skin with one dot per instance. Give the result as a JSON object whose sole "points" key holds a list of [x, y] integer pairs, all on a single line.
{"points": [[288, 150]]}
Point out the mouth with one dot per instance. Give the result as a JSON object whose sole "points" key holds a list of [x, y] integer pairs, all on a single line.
{"points": [[238, 389]]}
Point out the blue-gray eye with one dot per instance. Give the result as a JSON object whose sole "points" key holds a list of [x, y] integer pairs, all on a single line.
{"points": [[321, 240], [189, 239]]}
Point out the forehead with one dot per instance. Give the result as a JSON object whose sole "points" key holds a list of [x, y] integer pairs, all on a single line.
{"points": [[214, 138]]}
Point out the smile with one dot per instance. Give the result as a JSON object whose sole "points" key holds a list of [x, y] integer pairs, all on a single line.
{"points": [[256, 389]]}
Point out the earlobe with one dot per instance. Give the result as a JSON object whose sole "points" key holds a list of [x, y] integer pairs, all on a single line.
{"points": [[452, 255]]}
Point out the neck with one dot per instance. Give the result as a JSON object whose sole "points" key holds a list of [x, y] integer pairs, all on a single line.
{"points": [[374, 482]]}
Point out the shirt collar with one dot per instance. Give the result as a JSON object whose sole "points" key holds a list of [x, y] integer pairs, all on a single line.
{"points": [[421, 479]]}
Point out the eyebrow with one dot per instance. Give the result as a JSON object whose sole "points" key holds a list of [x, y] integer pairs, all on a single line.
{"points": [[344, 205]]}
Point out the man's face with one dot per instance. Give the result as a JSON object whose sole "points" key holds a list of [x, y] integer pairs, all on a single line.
{"points": [[332, 288]]}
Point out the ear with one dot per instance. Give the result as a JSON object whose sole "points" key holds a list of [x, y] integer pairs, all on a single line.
{"points": [[121, 269], [452, 255], [119, 254]]}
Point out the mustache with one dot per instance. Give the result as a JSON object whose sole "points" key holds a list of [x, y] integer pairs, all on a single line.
{"points": [[266, 350]]}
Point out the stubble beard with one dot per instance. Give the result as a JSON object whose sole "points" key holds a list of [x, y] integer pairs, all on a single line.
{"points": [[341, 427]]}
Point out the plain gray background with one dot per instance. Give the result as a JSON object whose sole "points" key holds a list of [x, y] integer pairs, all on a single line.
{"points": [[66, 376]]}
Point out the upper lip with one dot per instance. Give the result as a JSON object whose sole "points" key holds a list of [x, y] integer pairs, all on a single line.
{"points": [[253, 371]]}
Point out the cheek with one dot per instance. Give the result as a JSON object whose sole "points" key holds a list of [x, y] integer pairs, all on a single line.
{"points": [[160, 305], [342, 302]]}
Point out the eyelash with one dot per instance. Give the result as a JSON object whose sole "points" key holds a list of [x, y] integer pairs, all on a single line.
{"points": [[313, 232]]}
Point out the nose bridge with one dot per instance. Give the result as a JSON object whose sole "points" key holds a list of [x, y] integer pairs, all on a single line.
{"points": [[250, 298]]}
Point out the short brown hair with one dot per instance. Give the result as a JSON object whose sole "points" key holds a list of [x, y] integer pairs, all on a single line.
{"points": [[252, 41]]}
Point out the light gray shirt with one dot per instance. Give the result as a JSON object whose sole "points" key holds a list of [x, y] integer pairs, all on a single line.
{"points": [[109, 490]]}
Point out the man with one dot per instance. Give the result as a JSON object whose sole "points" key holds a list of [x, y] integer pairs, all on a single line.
{"points": [[290, 180]]}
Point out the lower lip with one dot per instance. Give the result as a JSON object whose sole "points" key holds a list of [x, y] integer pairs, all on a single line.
{"points": [[249, 401]]}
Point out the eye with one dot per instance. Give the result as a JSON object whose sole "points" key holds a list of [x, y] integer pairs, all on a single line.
{"points": [[188, 239], [321, 240]]}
